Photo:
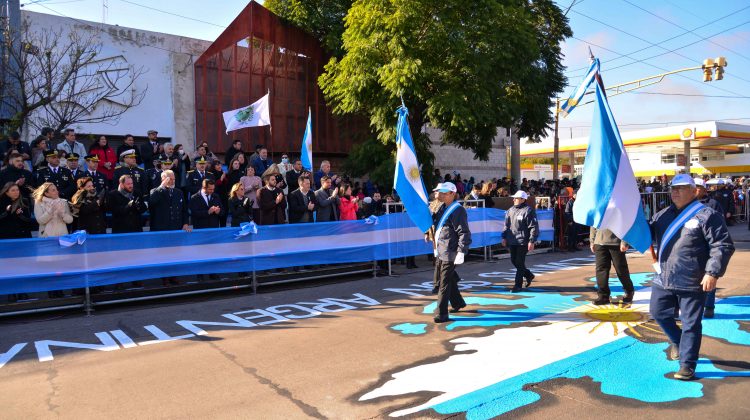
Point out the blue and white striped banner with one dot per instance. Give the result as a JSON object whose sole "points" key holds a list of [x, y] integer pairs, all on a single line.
{"points": [[41, 264]]}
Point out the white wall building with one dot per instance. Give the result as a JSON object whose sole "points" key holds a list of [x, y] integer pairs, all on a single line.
{"points": [[169, 103], [450, 159]]}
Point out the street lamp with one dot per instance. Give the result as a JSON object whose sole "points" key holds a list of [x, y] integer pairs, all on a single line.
{"points": [[713, 69]]}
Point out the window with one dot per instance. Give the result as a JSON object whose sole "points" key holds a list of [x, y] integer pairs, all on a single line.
{"points": [[668, 158]]}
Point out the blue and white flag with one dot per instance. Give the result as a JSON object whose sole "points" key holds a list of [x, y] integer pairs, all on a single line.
{"points": [[609, 197], [254, 115], [408, 180], [569, 105], [306, 153]]}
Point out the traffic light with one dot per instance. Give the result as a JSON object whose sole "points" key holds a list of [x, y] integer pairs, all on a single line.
{"points": [[708, 65], [720, 63]]}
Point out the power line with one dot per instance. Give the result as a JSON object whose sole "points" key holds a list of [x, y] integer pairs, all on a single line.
{"points": [[685, 29], [173, 14], [115, 35], [661, 123], [652, 45], [655, 66], [691, 95]]}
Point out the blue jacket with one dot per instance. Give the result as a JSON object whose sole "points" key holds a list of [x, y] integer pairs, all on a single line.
{"points": [[702, 246], [521, 225]]}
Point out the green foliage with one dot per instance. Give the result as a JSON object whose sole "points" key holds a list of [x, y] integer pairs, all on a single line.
{"points": [[463, 67], [324, 19]]}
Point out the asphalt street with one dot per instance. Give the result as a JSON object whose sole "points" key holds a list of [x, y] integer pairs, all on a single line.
{"points": [[367, 348]]}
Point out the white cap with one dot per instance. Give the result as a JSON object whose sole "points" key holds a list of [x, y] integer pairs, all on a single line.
{"points": [[445, 187], [367, 200], [682, 179], [699, 182], [521, 194]]}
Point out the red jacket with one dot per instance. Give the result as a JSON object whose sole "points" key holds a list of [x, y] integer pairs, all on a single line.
{"points": [[347, 209], [106, 155]]}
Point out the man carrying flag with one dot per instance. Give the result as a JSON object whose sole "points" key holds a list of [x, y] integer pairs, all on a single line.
{"points": [[408, 180]]}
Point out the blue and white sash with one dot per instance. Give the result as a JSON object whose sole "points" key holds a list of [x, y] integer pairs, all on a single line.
{"points": [[444, 218], [677, 225]]}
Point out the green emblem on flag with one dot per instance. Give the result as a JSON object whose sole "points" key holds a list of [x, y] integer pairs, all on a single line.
{"points": [[245, 115]]}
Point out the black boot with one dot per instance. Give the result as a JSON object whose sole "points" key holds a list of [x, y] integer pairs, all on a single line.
{"points": [[602, 300], [627, 299]]}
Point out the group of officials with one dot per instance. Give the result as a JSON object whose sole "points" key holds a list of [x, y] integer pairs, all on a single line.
{"points": [[692, 251]]}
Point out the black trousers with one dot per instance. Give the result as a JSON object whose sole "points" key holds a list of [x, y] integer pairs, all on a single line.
{"points": [[606, 255], [572, 236], [447, 280], [518, 258]]}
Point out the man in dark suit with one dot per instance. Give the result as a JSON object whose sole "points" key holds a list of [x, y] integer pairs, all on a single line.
{"points": [[54, 173], [294, 174], [128, 144], [150, 150], [99, 180], [205, 207], [167, 206], [302, 202], [126, 207], [327, 201], [14, 144], [272, 202], [195, 178], [17, 173]]}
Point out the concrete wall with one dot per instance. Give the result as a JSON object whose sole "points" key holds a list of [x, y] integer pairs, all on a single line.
{"points": [[450, 158], [169, 104]]}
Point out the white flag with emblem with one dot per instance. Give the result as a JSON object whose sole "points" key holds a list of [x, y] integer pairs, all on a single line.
{"points": [[254, 115]]}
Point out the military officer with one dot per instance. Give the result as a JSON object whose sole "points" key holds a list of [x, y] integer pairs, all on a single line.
{"points": [[72, 163], [195, 178], [99, 180], [129, 167], [56, 174], [153, 175]]}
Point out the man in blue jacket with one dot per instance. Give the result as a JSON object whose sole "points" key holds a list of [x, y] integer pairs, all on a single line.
{"points": [[520, 234], [694, 248]]}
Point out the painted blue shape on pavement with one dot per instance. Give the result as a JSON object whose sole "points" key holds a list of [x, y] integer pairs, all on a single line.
{"points": [[724, 325], [408, 328], [650, 382]]}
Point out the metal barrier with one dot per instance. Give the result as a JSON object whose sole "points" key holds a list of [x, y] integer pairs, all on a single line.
{"points": [[398, 207]]}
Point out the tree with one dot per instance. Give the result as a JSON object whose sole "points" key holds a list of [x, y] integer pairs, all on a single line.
{"points": [[464, 67], [57, 78]]}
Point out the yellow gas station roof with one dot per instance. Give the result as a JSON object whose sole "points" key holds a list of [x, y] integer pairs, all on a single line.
{"points": [[705, 135]]}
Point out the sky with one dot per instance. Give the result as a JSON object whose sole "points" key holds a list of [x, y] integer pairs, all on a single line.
{"points": [[632, 38]]}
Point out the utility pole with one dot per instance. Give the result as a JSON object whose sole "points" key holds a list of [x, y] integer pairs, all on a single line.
{"points": [[708, 67]]}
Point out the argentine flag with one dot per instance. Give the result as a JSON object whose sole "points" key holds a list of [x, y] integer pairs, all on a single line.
{"points": [[609, 197], [569, 105], [306, 153], [408, 181]]}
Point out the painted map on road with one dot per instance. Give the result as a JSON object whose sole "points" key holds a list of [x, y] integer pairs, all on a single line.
{"points": [[541, 335]]}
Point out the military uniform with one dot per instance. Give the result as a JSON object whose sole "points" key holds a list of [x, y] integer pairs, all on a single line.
{"points": [[195, 179], [138, 175], [153, 178], [99, 180], [62, 178]]}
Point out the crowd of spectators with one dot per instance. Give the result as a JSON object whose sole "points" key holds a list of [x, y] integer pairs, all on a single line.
{"points": [[45, 187]]}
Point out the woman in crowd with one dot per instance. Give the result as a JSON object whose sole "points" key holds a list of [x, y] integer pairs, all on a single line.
{"points": [[53, 214], [236, 171], [107, 157], [209, 154], [15, 220], [222, 189], [183, 166], [88, 207], [252, 184], [347, 202], [240, 206], [15, 213], [38, 147], [486, 194]]}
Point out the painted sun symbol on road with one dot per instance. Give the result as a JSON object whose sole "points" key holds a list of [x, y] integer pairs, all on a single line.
{"points": [[617, 316]]}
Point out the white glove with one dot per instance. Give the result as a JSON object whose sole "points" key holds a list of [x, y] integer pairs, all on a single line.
{"points": [[459, 258]]}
